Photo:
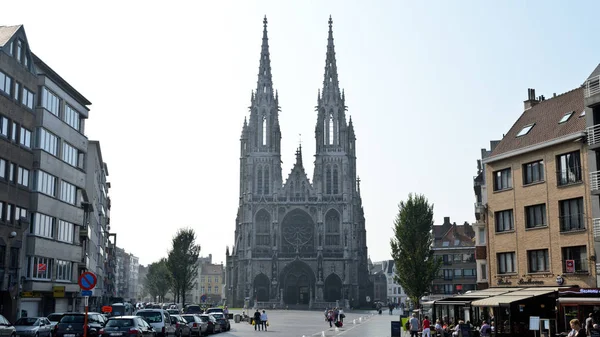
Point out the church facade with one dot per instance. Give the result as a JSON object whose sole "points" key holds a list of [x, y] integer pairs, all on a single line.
{"points": [[297, 241]]}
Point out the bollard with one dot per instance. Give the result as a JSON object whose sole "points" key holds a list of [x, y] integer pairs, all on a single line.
{"points": [[360, 320], [337, 329], [353, 321], [322, 333]]}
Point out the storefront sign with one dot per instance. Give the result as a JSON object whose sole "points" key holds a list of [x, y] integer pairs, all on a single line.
{"points": [[560, 280], [577, 291], [529, 282], [503, 282], [30, 294], [58, 291]]}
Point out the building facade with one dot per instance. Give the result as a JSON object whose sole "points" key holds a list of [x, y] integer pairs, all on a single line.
{"points": [[538, 200], [98, 221], [17, 118], [455, 246], [592, 118], [394, 293], [298, 242], [211, 283]]}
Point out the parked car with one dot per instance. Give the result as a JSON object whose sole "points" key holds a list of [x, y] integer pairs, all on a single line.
{"points": [[6, 328], [221, 319], [71, 325], [213, 325], [211, 310], [181, 326], [132, 326], [160, 320], [192, 309], [54, 318], [197, 326], [33, 326], [174, 312]]}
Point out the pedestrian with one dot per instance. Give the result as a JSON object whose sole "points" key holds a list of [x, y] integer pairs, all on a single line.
{"points": [[342, 315], [263, 320], [257, 322], [330, 318], [589, 323], [226, 312], [414, 326], [426, 328]]}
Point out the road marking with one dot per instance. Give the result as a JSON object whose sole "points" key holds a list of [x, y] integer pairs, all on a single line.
{"points": [[366, 320]]}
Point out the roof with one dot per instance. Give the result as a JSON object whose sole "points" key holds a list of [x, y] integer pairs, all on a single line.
{"points": [[596, 72], [545, 115], [7, 32]]}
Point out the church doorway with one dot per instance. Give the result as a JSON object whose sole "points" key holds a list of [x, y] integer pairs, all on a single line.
{"points": [[298, 281], [333, 288], [261, 287]]}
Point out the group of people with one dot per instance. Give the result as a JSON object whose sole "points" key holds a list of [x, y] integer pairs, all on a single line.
{"points": [[335, 317], [442, 329], [580, 331], [260, 321]]}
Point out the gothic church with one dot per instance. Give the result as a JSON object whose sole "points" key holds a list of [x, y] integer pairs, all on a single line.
{"points": [[297, 242]]}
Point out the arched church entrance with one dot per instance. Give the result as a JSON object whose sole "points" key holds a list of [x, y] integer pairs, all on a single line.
{"points": [[333, 288], [298, 282], [261, 287]]}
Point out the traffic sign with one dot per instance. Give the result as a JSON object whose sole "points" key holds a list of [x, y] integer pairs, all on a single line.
{"points": [[203, 298], [87, 281], [85, 293], [107, 308]]}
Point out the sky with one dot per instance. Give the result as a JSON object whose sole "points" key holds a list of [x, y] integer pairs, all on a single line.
{"points": [[427, 83]]}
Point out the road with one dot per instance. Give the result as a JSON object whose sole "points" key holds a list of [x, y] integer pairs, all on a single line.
{"points": [[284, 323]]}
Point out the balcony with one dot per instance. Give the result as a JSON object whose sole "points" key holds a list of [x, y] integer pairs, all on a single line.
{"points": [[592, 86], [595, 181], [83, 231], [596, 226], [593, 134]]}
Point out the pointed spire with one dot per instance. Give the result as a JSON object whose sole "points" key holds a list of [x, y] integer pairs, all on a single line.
{"points": [[358, 185], [264, 86], [331, 88], [299, 156]]}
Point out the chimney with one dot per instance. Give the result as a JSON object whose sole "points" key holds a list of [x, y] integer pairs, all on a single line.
{"points": [[531, 100], [446, 220]]}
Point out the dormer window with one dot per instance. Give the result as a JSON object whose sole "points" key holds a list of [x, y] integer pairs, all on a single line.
{"points": [[12, 48], [525, 130], [19, 54], [582, 114], [445, 243], [566, 117]]}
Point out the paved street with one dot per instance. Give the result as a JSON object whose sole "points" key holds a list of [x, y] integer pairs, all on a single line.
{"points": [[312, 324]]}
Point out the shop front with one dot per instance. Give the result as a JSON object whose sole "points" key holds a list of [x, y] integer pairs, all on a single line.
{"points": [[577, 303]]}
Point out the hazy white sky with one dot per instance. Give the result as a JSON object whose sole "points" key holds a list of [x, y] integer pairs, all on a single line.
{"points": [[427, 84]]}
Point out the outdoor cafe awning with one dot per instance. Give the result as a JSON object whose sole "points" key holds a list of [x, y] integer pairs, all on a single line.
{"points": [[496, 301]]}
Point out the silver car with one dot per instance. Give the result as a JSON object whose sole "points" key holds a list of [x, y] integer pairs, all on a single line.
{"points": [[33, 326]]}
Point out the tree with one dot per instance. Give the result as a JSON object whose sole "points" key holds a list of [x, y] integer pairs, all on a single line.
{"points": [[183, 262], [411, 246], [158, 280]]}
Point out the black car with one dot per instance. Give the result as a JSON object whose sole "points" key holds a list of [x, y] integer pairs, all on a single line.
{"points": [[222, 320], [72, 325], [130, 326], [193, 309]]}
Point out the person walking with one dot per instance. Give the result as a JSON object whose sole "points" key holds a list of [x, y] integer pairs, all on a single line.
{"points": [[426, 327], [263, 319], [414, 326], [341, 315], [257, 321]]}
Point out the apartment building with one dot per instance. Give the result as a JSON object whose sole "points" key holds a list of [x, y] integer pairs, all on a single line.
{"points": [[126, 275], [455, 246], [538, 199], [18, 87], [211, 282], [98, 226], [393, 292], [480, 225]]}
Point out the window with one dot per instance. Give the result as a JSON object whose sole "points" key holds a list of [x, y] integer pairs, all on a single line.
{"points": [[448, 289], [5, 83], [568, 167], [533, 172], [582, 114], [67, 192], [259, 184], [266, 180], [572, 215], [566, 117], [17, 91], [70, 154], [504, 221], [335, 180], [25, 138], [3, 126], [264, 130], [50, 101], [39, 267], [538, 260], [331, 130], [71, 117], [458, 272], [8, 215], [15, 132], [447, 274], [332, 228], [579, 256], [202, 289], [502, 180], [64, 271], [23, 178], [20, 212], [45, 183], [42, 225], [3, 165], [457, 257], [12, 171], [209, 289], [506, 263], [27, 98], [469, 273], [482, 238], [19, 54], [483, 271], [262, 229], [47, 141], [216, 279], [525, 130], [65, 231], [328, 180], [447, 259], [535, 216]]}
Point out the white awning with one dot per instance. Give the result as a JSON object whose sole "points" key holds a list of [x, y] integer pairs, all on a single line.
{"points": [[496, 301]]}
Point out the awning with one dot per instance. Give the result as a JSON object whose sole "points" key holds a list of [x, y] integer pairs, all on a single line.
{"points": [[453, 301], [578, 300], [496, 301]]}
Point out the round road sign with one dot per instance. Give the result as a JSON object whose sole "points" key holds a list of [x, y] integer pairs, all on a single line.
{"points": [[87, 281]]}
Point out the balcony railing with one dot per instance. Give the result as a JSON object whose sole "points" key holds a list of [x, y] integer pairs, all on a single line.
{"points": [[596, 225], [569, 175], [593, 134], [572, 222], [595, 180], [592, 86]]}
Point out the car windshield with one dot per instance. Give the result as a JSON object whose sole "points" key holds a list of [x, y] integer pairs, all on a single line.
{"points": [[72, 319], [151, 316], [217, 315], [204, 318], [120, 323], [55, 317], [26, 321], [189, 318]]}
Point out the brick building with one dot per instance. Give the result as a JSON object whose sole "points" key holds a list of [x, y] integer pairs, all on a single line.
{"points": [[538, 202]]}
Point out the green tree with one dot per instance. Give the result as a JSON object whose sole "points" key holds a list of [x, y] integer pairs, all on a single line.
{"points": [[412, 245], [158, 280], [183, 262]]}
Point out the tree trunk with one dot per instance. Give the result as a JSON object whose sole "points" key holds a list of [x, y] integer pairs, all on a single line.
{"points": [[182, 297]]}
